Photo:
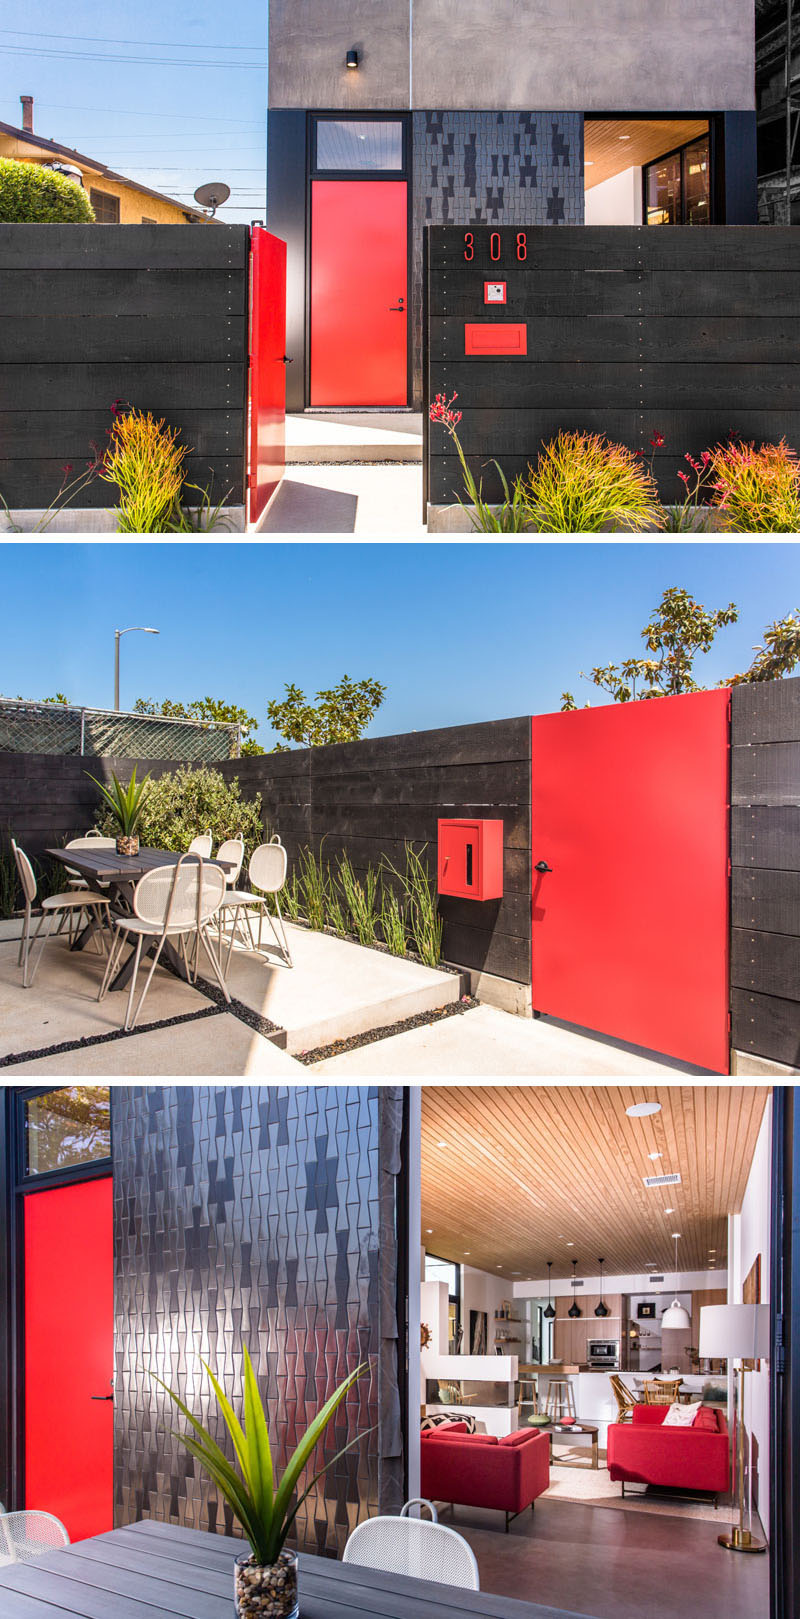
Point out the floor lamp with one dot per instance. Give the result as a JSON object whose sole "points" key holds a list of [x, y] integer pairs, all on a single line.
{"points": [[736, 1332]]}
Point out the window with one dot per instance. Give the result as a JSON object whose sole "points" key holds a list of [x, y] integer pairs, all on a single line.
{"points": [[106, 207], [147, 221], [441, 1270], [65, 1128], [361, 144], [677, 187]]}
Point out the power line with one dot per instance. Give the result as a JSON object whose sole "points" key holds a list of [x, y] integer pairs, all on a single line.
{"points": [[164, 44], [130, 61], [137, 112]]}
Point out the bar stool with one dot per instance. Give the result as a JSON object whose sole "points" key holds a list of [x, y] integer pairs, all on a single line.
{"points": [[528, 1393], [560, 1399]]}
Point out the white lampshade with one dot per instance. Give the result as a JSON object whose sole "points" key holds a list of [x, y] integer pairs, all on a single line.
{"points": [[734, 1332], [676, 1318]]}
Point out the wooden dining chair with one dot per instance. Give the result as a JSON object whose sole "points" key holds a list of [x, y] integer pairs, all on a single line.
{"points": [[662, 1391], [625, 1398]]}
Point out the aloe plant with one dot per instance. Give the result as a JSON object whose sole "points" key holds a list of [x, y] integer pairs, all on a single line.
{"points": [[260, 1502], [125, 803]]}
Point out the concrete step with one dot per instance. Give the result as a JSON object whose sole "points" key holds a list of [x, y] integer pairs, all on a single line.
{"points": [[314, 437]]}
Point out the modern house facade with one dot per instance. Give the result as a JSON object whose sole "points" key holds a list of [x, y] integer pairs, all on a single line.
{"points": [[386, 117]]}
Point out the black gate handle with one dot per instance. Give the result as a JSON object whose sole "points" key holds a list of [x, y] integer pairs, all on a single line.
{"points": [[541, 865], [397, 309], [286, 359], [101, 1396]]}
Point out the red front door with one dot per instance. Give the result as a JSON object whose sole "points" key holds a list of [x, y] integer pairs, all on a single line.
{"points": [[69, 1355], [359, 293], [630, 924]]}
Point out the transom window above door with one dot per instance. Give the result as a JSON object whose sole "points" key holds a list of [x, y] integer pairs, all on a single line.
{"points": [[65, 1128], [352, 145]]}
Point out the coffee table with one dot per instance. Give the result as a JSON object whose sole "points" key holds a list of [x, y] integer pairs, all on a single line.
{"points": [[567, 1434]]}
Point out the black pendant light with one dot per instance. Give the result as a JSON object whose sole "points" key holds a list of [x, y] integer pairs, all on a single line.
{"points": [[573, 1310], [549, 1313], [601, 1308]]}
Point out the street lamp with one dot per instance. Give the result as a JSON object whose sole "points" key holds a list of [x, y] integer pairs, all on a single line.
{"points": [[117, 634]]}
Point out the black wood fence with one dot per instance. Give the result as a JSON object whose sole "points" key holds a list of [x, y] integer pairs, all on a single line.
{"points": [[691, 333], [765, 859], [155, 315]]}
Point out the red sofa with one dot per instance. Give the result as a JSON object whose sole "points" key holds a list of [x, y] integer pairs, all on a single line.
{"points": [[478, 1470], [643, 1451]]}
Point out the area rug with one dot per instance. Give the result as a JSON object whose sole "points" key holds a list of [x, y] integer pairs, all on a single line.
{"points": [[592, 1488]]}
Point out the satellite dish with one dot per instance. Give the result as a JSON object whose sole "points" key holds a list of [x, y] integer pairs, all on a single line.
{"points": [[212, 195]]}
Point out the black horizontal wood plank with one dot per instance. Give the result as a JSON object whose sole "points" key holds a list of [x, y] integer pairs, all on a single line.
{"points": [[766, 1026], [125, 339], [768, 711], [766, 962], [513, 432], [482, 743], [495, 783], [766, 837], [30, 294], [31, 483], [510, 915], [766, 901], [31, 434], [657, 295], [526, 384], [766, 774], [500, 953], [415, 822], [124, 247], [365, 851], [94, 385], [616, 339], [619, 247]]}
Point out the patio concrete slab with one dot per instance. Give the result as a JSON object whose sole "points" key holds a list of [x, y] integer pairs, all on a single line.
{"points": [[351, 499], [335, 989], [62, 1003], [489, 1044], [221, 1046], [359, 435]]}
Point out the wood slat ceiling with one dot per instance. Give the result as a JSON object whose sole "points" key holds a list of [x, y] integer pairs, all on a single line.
{"points": [[527, 1169], [607, 153]]}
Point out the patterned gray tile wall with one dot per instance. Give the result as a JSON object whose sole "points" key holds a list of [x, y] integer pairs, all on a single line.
{"points": [[503, 168], [252, 1214]]}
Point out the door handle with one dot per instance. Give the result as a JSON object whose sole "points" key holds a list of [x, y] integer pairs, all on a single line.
{"points": [[541, 865], [286, 359], [101, 1396], [397, 309]]}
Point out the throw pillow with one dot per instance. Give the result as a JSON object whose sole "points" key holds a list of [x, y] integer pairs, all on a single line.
{"points": [[521, 1437], [706, 1420], [440, 1419], [681, 1416]]}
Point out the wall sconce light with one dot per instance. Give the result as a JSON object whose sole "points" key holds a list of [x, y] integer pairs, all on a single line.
{"points": [[352, 59]]}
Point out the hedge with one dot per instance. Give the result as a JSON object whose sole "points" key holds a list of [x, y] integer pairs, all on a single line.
{"points": [[33, 195]]}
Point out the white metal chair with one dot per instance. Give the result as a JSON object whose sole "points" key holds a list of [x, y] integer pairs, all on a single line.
{"points": [[92, 840], [426, 1551], [201, 845], [81, 900], [24, 1536], [170, 902], [267, 874]]}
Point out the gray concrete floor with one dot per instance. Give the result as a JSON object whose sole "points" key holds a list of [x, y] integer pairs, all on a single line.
{"points": [[378, 499]]}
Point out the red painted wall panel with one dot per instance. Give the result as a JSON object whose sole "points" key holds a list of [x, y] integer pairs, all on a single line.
{"points": [[267, 369], [69, 1348], [630, 928], [359, 274]]}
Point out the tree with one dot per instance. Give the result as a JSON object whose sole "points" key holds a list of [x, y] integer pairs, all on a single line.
{"points": [[59, 698], [210, 709], [341, 714], [679, 630], [33, 195]]}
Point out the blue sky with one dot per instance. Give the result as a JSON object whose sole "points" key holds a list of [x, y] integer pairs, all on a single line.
{"points": [[458, 633], [172, 96]]}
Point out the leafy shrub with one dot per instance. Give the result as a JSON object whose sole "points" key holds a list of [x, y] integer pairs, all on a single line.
{"points": [[145, 462], [182, 804], [33, 195], [758, 489], [584, 484]]}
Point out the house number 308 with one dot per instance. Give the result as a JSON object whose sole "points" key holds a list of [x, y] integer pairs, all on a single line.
{"points": [[495, 246]]}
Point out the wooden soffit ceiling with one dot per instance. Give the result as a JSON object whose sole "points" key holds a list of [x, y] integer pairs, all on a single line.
{"points": [[512, 1173], [614, 144]]}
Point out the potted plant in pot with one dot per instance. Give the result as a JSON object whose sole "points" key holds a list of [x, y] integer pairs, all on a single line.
{"points": [[265, 1579], [125, 804]]}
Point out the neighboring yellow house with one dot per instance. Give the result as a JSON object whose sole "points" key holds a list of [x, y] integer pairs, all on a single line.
{"points": [[115, 199]]}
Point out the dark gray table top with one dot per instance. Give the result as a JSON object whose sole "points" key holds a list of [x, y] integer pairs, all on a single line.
{"points": [[158, 1571], [105, 865]]}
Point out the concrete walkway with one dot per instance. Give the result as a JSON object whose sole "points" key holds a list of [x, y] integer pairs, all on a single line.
{"points": [[222, 1047], [360, 435], [379, 499], [489, 1044]]}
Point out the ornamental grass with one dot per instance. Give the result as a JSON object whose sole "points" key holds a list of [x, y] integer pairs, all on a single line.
{"points": [[145, 462], [585, 484], [758, 490]]}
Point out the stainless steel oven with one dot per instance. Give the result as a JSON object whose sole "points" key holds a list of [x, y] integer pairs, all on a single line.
{"points": [[603, 1352]]}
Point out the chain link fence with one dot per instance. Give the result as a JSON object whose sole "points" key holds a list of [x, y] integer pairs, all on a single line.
{"points": [[59, 728]]}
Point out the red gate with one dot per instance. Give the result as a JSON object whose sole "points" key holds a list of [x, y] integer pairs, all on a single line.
{"points": [[267, 369], [630, 882]]}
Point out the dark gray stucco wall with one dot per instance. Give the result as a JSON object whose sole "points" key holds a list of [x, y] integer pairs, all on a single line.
{"points": [[263, 1215], [496, 168]]}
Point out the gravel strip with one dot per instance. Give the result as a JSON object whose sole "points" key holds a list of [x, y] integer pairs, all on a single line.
{"points": [[245, 1014], [420, 1020], [113, 1034]]}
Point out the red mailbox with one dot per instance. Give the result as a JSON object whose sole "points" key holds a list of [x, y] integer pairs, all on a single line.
{"points": [[471, 859]]}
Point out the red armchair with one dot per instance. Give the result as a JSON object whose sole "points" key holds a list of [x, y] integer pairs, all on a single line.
{"points": [[478, 1470], [645, 1452]]}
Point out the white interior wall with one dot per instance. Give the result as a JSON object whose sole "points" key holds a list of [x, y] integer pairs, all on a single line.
{"points": [[753, 1238], [482, 1291], [617, 201]]}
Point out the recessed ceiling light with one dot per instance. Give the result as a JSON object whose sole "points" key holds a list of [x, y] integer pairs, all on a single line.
{"points": [[675, 1233], [624, 137], [570, 1245], [642, 1110], [655, 1155], [467, 1251], [669, 1211], [441, 1143], [429, 1231]]}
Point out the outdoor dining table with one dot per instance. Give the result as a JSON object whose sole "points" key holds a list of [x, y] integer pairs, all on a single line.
{"points": [[121, 873], [159, 1571]]}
